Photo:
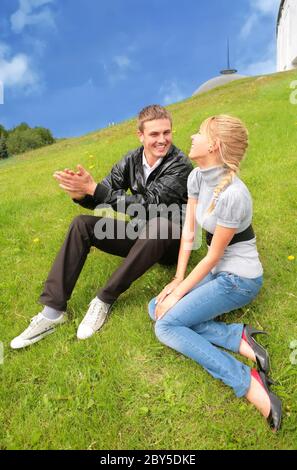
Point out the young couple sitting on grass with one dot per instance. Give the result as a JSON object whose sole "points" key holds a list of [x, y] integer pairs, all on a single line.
{"points": [[212, 196]]}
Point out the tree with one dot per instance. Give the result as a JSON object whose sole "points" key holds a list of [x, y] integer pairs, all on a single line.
{"points": [[20, 141], [21, 127], [3, 148], [23, 138], [45, 134], [3, 131]]}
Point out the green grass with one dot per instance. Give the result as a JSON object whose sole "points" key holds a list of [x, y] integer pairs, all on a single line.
{"points": [[122, 389]]}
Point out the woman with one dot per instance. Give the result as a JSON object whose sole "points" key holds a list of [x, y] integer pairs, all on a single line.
{"points": [[227, 278]]}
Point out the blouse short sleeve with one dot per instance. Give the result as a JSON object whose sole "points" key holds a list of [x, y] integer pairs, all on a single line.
{"points": [[231, 209], [194, 183]]}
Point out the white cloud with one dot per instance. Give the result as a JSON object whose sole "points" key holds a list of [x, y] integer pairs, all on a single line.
{"points": [[27, 15], [171, 93], [17, 71], [123, 61], [1, 93], [4, 49], [266, 7], [259, 9], [118, 68], [37, 47], [249, 25], [262, 66], [264, 63]]}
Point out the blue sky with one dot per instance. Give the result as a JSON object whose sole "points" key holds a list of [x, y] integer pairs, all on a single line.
{"points": [[76, 65]]}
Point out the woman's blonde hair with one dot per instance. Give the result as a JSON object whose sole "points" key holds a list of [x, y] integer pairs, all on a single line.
{"points": [[232, 137]]}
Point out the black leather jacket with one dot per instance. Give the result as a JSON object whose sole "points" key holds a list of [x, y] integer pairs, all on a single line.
{"points": [[167, 184]]}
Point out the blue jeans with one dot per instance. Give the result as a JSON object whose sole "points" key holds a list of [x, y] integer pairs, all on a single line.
{"points": [[188, 327]]}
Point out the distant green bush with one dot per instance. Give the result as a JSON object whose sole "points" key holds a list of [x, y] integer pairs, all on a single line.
{"points": [[3, 131], [3, 147], [23, 138]]}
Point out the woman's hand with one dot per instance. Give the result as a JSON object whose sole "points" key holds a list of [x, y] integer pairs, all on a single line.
{"points": [[168, 289], [81, 182], [167, 304]]}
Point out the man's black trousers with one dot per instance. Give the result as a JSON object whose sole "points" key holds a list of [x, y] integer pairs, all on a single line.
{"points": [[151, 246]]}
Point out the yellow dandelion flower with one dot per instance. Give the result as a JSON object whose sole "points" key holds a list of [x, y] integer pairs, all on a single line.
{"points": [[36, 240], [291, 258]]}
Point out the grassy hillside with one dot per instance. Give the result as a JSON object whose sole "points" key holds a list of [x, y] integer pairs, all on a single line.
{"points": [[121, 389]]}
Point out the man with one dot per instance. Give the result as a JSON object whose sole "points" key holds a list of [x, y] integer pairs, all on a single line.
{"points": [[156, 175]]}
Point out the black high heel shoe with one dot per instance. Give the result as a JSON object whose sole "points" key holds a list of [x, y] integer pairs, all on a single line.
{"points": [[262, 356], [275, 416]]}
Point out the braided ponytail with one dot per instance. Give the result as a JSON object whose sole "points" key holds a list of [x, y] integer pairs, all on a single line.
{"points": [[232, 137]]}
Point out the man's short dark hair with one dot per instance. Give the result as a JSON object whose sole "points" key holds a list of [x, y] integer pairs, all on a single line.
{"points": [[150, 113]]}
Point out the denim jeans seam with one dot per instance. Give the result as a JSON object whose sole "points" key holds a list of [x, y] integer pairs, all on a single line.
{"points": [[243, 389], [251, 291], [221, 335], [230, 279]]}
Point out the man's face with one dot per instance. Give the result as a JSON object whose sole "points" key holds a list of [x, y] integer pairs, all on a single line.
{"points": [[156, 138]]}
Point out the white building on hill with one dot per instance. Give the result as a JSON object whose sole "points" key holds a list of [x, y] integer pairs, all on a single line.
{"points": [[287, 35]]}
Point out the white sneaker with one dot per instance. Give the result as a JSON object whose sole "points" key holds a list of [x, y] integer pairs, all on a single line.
{"points": [[39, 327], [94, 318]]}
